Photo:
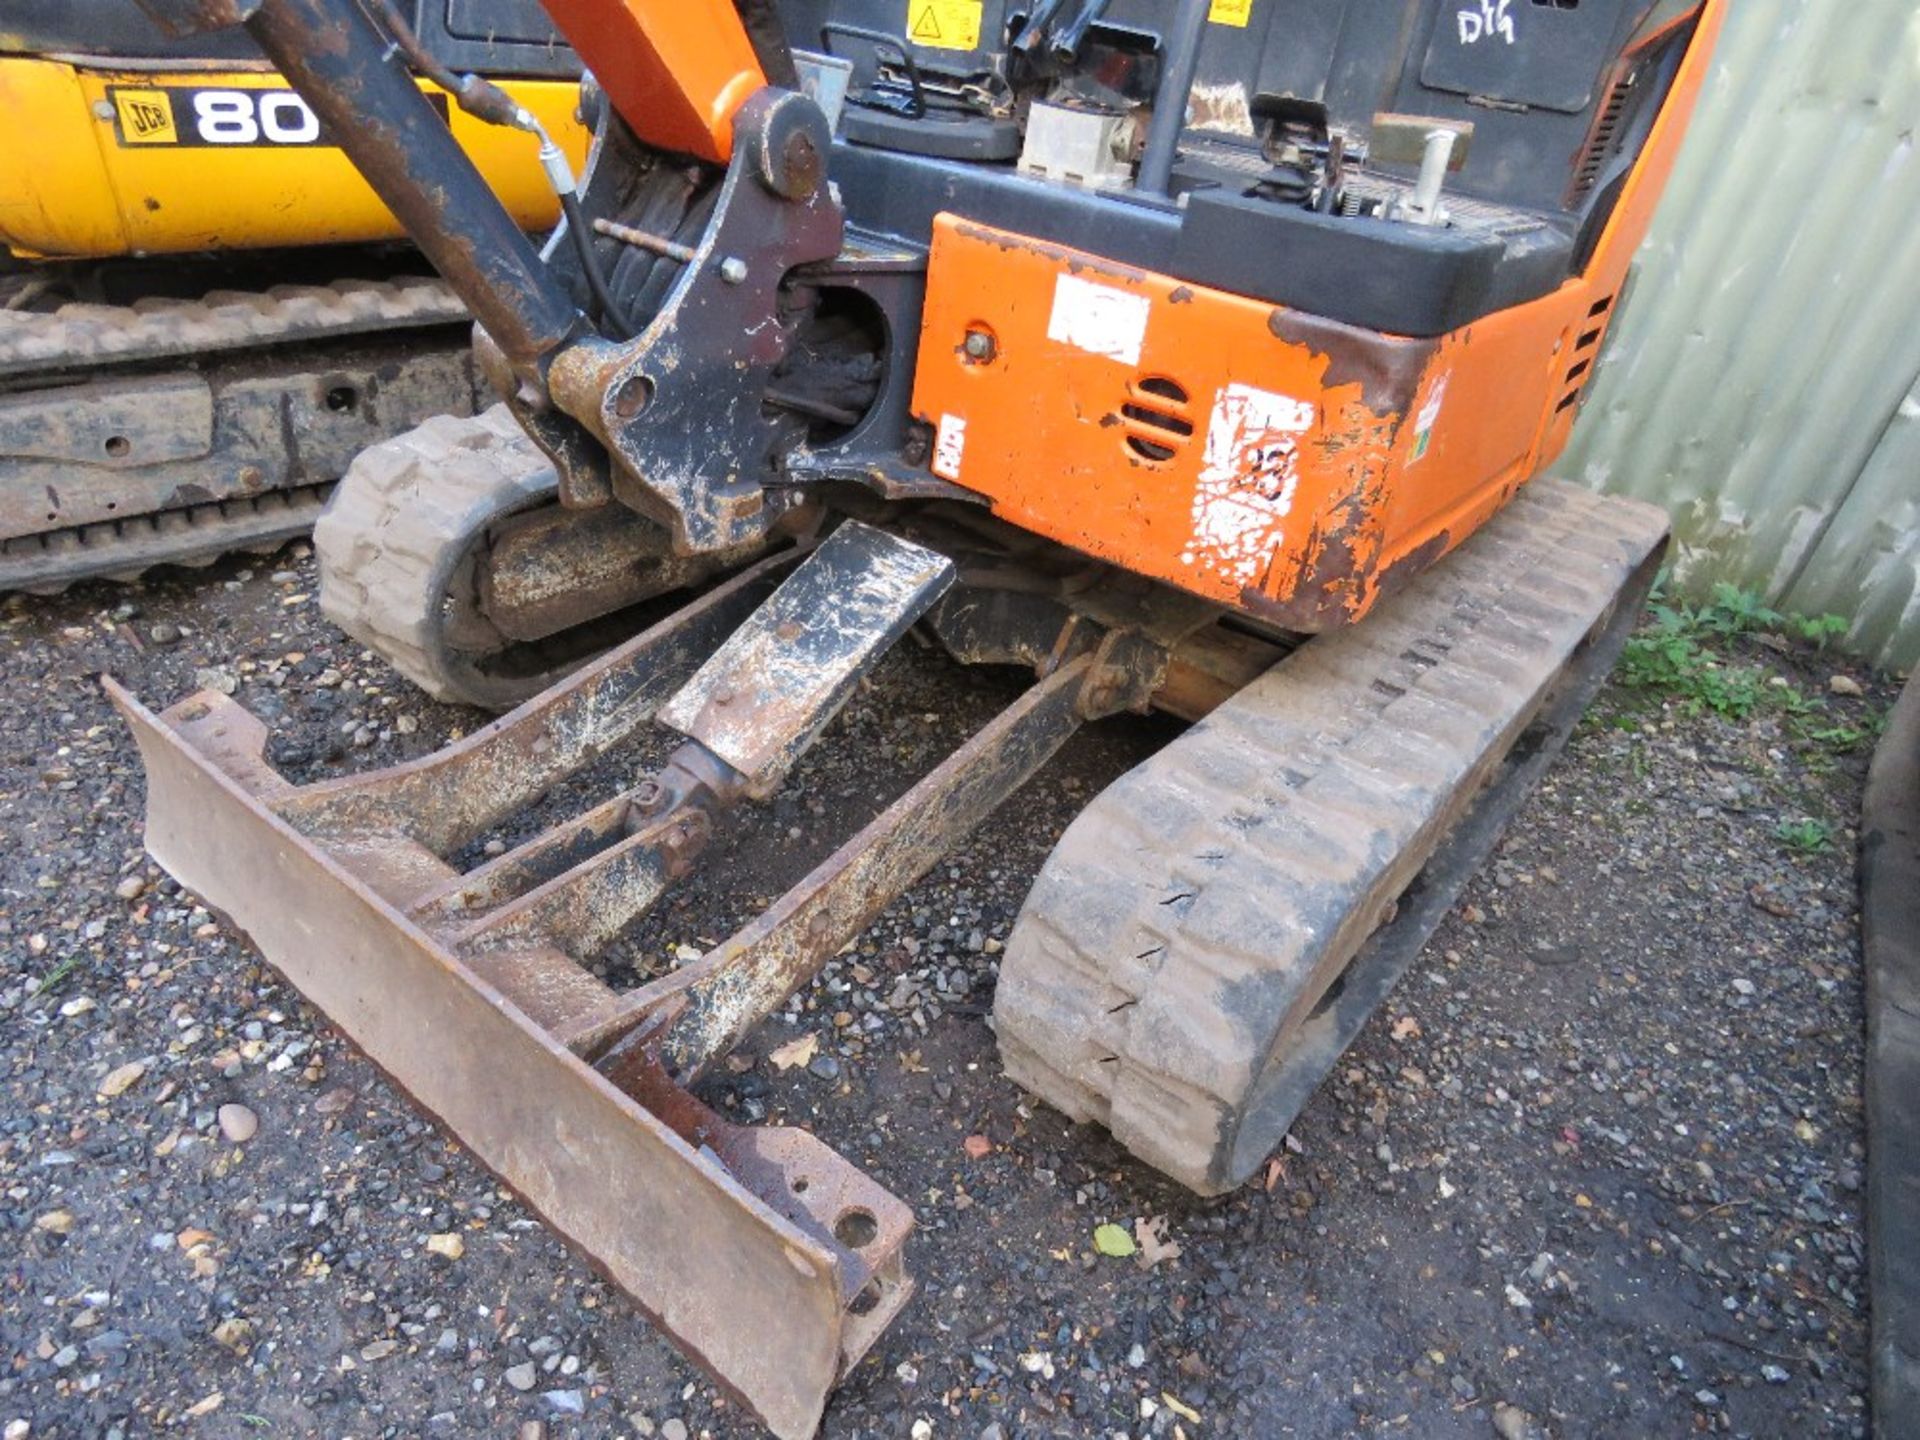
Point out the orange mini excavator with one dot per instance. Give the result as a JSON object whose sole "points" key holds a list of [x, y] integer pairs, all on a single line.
{"points": [[1196, 355]]}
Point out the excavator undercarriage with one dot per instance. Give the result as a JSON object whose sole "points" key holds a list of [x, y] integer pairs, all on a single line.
{"points": [[1233, 410]]}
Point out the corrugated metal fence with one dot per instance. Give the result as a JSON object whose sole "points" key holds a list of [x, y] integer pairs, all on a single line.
{"points": [[1764, 381]]}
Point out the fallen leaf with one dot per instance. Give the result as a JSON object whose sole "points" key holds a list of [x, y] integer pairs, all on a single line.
{"points": [[206, 1405], [55, 1222], [978, 1147], [796, 1052], [233, 1332], [1845, 685], [333, 1102], [187, 1239], [1184, 1411], [1405, 1028], [449, 1245], [1154, 1244], [119, 1079], [1114, 1241], [1276, 1172]]}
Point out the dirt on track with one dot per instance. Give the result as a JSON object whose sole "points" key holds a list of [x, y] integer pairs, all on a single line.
{"points": [[1595, 1169]]}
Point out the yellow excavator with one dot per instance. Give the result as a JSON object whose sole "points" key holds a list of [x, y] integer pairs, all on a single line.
{"points": [[205, 312]]}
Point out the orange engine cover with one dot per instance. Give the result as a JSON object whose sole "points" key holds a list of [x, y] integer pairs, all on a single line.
{"points": [[1279, 463]]}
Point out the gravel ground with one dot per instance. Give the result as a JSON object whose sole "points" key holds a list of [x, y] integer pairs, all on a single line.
{"points": [[1596, 1169]]}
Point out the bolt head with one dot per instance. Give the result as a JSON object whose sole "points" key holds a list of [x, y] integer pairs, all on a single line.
{"points": [[979, 345], [733, 269], [632, 396]]}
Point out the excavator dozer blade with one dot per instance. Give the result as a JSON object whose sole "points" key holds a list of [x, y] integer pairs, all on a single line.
{"points": [[659, 1213], [768, 1258]]}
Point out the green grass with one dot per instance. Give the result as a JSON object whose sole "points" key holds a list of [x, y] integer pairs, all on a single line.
{"points": [[50, 980], [1680, 655], [1671, 658], [1819, 629], [1805, 836]]}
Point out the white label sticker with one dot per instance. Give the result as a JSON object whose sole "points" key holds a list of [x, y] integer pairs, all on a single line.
{"points": [[949, 445], [1099, 319], [1248, 474]]}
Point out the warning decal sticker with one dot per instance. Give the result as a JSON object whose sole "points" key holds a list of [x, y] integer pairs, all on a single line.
{"points": [[944, 24], [1428, 417], [1230, 12]]}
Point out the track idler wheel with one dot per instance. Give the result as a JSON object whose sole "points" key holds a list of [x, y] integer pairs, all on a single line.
{"points": [[445, 549]]}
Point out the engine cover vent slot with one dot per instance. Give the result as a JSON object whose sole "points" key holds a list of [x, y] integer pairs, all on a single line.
{"points": [[1585, 350], [1157, 418]]}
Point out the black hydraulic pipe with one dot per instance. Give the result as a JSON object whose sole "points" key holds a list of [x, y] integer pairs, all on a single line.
{"points": [[1071, 33], [358, 83], [1177, 67]]}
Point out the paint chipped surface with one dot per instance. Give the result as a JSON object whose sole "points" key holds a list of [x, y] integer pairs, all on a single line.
{"points": [[1099, 319], [1248, 474]]}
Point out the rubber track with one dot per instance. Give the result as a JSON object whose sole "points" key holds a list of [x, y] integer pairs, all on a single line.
{"points": [[47, 563], [1192, 917], [86, 337], [399, 523]]}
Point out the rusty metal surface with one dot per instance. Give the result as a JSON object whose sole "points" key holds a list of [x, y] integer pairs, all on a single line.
{"points": [[662, 1214], [445, 799], [679, 407], [473, 990], [769, 690], [701, 1012], [548, 570]]}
